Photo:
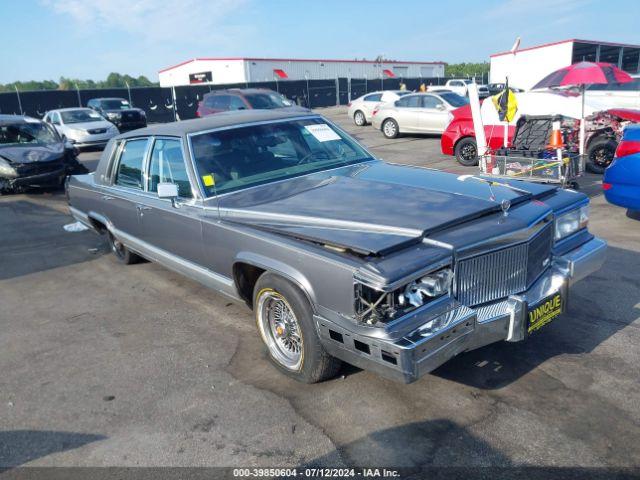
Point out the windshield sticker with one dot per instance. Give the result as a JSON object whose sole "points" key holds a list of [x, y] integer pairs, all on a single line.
{"points": [[124, 102], [322, 132], [208, 180], [94, 115]]}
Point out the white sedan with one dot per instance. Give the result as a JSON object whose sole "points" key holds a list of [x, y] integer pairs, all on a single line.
{"points": [[361, 109], [82, 127], [417, 113]]}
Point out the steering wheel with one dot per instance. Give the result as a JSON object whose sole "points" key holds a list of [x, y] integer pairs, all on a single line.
{"points": [[310, 155]]}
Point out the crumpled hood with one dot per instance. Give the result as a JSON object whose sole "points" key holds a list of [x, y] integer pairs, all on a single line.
{"points": [[370, 208], [32, 153]]}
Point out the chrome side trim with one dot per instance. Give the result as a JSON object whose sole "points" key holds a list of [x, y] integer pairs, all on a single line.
{"points": [[177, 264]]}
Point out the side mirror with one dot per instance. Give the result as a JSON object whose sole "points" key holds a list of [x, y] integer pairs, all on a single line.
{"points": [[168, 190]]}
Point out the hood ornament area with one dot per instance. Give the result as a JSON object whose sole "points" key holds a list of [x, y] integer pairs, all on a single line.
{"points": [[505, 205]]}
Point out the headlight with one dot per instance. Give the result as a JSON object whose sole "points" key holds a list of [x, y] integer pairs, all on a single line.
{"points": [[427, 288], [112, 115], [143, 113], [76, 131], [375, 306], [570, 222], [6, 170]]}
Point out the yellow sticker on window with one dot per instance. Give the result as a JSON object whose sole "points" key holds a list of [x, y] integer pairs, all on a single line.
{"points": [[208, 180]]}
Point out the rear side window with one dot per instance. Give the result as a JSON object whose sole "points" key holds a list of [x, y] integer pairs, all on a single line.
{"points": [[129, 172], [218, 102], [430, 102], [412, 101], [375, 97], [236, 103], [167, 166]]}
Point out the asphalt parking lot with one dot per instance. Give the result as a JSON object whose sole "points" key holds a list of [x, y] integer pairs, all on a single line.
{"points": [[105, 364]]}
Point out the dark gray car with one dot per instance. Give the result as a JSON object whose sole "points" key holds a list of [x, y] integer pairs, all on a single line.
{"points": [[340, 255]]}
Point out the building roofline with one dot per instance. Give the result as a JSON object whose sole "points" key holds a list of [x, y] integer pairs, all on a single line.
{"points": [[544, 45], [295, 60]]}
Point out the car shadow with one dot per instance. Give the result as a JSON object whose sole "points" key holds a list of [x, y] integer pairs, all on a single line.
{"points": [[18, 447], [424, 444], [596, 312], [33, 238]]}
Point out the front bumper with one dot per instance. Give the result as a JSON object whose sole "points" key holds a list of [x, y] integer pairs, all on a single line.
{"points": [[407, 355]]}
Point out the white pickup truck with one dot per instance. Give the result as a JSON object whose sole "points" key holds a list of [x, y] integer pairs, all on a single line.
{"points": [[459, 86]]}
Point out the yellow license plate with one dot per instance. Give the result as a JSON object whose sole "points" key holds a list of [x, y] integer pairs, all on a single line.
{"points": [[544, 312]]}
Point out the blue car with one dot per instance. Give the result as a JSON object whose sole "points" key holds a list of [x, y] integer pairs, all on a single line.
{"points": [[621, 183]]}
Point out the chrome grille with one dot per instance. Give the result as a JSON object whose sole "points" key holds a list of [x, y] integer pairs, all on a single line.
{"points": [[498, 274]]}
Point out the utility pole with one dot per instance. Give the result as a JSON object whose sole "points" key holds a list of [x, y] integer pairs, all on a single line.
{"points": [[19, 101]]}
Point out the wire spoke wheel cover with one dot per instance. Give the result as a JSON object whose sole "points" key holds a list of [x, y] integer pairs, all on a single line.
{"points": [[280, 329]]}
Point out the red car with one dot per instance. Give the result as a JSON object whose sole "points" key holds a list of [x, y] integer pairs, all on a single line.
{"points": [[603, 132], [459, 139], [241, 99]]}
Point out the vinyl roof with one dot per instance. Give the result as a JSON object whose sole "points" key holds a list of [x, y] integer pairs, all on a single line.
{"points": [[219, 120]]}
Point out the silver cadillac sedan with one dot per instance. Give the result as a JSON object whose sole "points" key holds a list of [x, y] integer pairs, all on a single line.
{"points": [[82, 127], [341, 256]]}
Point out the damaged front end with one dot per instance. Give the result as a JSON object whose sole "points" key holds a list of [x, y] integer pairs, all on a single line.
{"points": [[374, 306], [16, 176]]}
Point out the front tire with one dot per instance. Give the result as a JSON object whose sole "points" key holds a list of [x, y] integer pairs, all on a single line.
{"points": [[466, 152], [122, 253], [390, 128], [285, 322], [600, 154], [359, 119]]}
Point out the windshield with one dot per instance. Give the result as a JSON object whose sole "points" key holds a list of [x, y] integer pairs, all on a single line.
{"points": [[265, 100], [27, 134], [454, 99], [80, 116], [242, 157], [115, 104]]}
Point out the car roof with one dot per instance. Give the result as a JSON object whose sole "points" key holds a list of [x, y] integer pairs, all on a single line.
{"points": [[219, 120], [13, 119], [69, 109], [108, 98], [242, 91]]}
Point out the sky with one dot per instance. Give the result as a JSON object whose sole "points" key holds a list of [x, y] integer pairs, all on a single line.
{"points": [[88, 39]]}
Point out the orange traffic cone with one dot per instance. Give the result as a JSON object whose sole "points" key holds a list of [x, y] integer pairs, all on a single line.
{"points": [[556, 140]]}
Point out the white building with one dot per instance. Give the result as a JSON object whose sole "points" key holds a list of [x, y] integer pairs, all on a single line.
{"points": [[530, 65], [219, 71]]}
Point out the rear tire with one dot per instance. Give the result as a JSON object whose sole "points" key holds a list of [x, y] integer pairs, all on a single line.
{"points": [[285, 322], [390, 128], [466, 152], [600, 153], [359, 119], [122, 253]]}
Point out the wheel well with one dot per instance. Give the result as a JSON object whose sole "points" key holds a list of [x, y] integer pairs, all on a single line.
{"points": [[461, 139], [98, 225], [245, 277]]}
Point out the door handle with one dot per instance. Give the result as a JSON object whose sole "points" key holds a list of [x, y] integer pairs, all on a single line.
{"points": [[107, 197]]}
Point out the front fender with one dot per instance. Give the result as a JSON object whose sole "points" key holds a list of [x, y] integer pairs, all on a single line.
{"points": [[282, 269]]}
